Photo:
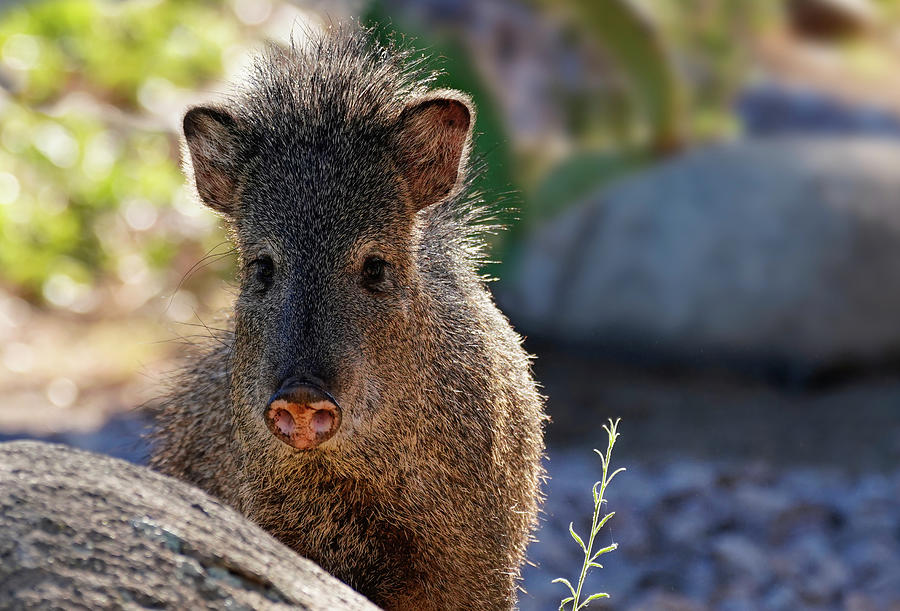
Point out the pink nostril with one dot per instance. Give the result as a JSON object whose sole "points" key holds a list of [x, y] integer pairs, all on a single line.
{"points": [[322, 421], [285, 422]]}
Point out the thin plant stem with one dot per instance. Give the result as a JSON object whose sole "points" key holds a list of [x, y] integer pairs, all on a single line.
{"points": [[597, 523]]}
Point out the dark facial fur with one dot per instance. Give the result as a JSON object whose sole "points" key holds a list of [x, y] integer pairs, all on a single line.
{"points": [[341, 179]]}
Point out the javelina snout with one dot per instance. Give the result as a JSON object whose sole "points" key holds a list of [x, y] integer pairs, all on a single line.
{"points": [[302, 414]]}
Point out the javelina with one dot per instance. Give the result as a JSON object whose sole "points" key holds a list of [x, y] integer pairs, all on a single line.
{"points": [[372, 408]]}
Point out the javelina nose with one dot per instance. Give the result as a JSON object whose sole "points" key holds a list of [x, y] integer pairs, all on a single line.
{"points": [[302, 415]]}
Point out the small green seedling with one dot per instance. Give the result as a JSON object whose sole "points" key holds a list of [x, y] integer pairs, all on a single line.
{"points": [[590, 556]]}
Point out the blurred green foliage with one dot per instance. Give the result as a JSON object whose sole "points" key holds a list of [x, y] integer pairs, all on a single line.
{"points": [[112, 48], [682, 62], [74, 172], [85, 171], [578, 176], [492, 150], [711, 41], [634, 41], [89, 171]]}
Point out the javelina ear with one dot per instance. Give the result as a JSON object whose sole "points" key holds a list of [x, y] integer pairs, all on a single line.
{"points": [[210, 134], [436, 132]]}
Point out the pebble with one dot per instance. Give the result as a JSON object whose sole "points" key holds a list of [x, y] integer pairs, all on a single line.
{"points": [[740, 556]]}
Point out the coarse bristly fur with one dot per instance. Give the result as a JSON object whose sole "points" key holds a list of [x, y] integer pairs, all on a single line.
{"points": [[336, 154]]}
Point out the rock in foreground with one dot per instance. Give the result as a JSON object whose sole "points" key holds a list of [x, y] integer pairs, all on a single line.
{"points": [[83, 530]]}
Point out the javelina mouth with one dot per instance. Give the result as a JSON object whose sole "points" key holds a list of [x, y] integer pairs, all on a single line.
{"points": [[303, 416]]}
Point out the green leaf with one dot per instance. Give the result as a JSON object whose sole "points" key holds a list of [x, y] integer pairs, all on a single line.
{"points": [[602, 522], [566, 583], [596, 494], [565, 601], [593, 597], [577, 538], [615, 473], [605, 550]]}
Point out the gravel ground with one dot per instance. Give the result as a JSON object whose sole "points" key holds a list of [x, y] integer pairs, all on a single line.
{"points": [[700, 535]]}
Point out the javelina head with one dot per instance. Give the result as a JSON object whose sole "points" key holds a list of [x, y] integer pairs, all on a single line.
{"points": [[323, 169]]}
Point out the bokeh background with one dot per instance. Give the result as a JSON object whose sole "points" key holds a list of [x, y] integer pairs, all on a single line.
{"points": [[703, 200]]}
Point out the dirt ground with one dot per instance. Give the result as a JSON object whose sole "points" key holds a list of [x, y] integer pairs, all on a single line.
{"points": [[720, 414]]}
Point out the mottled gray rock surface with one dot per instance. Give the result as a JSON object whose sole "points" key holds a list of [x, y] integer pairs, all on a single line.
{"points": [[781, 248], [80, 530]]}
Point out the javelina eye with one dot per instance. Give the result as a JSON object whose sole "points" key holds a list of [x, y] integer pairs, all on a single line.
{"points": [[373, 271], [263, 270]]}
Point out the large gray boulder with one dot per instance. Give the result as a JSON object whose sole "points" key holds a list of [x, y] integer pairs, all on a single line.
{"points": [[782, 247], [80, 530]]}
